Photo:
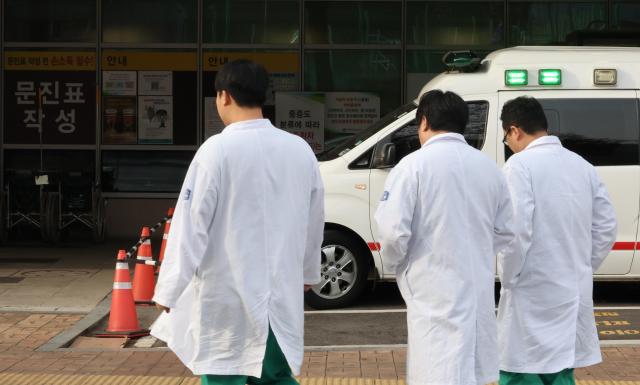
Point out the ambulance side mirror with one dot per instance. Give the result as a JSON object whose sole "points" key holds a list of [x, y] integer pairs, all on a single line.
{"points": [[385, 156]]}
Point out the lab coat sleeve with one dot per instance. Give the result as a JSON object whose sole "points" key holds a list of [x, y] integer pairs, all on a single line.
{"points": [[511, 260], [604, 224], [394, 216], [189, 234], [315, 230], [503, 235]]}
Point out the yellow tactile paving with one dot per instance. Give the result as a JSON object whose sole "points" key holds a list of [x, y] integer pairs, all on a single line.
{"points": [[74, 379], [155, 380]]}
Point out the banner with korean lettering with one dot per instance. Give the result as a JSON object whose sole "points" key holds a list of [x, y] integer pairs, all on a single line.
{"points": [[63, 103], [302, 114], [49, 61]]}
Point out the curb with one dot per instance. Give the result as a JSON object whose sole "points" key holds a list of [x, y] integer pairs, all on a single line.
{"points": [[63, 339]]}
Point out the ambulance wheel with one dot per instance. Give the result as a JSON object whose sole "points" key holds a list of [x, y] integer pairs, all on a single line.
{"points": [[343, 274]]}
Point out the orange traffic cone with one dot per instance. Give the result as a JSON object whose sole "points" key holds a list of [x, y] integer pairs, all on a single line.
{"points": [[123, 318], [144, 275], [165, 236]]}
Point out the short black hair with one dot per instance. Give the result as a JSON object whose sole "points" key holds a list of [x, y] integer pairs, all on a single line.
{"points": [[524, 112], [445, 111], [247, 82]]}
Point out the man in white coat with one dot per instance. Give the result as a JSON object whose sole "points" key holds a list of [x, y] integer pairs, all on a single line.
{"points": [[245, 239], [443, 216], [565, 226]]}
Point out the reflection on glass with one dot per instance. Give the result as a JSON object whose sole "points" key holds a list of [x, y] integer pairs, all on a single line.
{"points": [[603, 131], [50, 21], [476, 129], [533, 23], [422, 66], [375, 71], [251, 21], [138, 171], [352, 22], [626, 15], [149, 21], [465, 23]]}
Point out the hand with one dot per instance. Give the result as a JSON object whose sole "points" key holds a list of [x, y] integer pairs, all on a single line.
{"points": [[307, 288], [163, 308]]}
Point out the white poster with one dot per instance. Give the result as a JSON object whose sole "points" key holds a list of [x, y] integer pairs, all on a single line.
{"points": [[155, 119], [302, 114], [155, 83], [119, 83], [351, 112], [212, 123]]}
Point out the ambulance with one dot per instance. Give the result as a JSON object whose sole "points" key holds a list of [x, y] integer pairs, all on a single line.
{"points": [[591, 98]]}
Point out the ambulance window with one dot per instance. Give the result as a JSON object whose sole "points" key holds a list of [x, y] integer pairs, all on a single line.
{"points": [[606, 132], [406, 138], [476, 129]]}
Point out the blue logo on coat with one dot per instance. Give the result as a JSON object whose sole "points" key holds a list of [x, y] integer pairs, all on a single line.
{"points": [[187, 194], [385, 196]]}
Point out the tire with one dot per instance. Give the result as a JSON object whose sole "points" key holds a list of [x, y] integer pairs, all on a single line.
{"points": [[335, 290]]}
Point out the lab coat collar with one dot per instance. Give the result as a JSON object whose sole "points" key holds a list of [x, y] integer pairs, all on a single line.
{"points": [[248, 124], [544, 140], [447, 136]]}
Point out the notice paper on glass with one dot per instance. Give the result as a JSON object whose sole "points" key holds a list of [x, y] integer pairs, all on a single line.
{"points": [[155, 119]]}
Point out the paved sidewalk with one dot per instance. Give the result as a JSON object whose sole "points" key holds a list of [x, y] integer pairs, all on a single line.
{"points": [[70, 279], [22, 333]]}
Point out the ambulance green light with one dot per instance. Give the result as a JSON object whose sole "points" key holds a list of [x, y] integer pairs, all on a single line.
{"points": [[516, 77], [549, 77]]}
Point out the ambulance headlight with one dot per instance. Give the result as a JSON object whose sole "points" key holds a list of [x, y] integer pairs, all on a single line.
{"points": [[605, 77]]}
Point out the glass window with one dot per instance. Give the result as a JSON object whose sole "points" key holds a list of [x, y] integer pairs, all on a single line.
{"points": [[129, 171], [605, 132], [149, 97], [375, 71], [626, 16], [476, 129], [352, 22], [371, 71], [283, 69], [251, 21], [463, 23], [406, 138], [345, 146], [56, 161], [149, 21], [539, 23], [50, 21]]}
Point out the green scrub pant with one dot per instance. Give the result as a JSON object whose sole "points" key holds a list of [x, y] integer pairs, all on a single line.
{"points": [[275, 370], [564, 377]]}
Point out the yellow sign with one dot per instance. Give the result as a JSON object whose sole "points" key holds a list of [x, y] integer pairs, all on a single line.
{"points": [[272, 61], [49, 61], [150, 61]]}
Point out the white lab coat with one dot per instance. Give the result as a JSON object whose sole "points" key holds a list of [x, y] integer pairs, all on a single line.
{"points": [[443, 217], [565, 226], [245, 237]]}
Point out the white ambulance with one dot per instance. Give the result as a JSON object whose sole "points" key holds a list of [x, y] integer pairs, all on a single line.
{"points": [[591, 97]]}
